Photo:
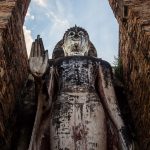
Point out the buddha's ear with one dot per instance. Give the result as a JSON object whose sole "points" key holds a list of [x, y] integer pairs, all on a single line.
{"points": [[58, 50], [92, 51]]}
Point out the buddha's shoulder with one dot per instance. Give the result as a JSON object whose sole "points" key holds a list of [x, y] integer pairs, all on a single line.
{"points": [[80, 59]]}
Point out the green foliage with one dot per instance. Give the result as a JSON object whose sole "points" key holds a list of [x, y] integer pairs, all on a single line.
{"points": [[118, 69]]}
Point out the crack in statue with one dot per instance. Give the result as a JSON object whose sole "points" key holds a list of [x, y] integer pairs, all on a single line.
{"points": [[76, 103]]}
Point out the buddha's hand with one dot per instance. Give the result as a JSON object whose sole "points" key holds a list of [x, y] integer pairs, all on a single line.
{"points": [[126, 142], [38, 60]]}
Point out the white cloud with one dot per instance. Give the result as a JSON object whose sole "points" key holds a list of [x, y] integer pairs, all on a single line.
{"points": [[28, 39], [59, 25], [58, 20], [42, 3], [29, 16]]}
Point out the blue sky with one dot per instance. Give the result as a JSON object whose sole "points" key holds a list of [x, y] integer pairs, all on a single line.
{"points": [[51, 18]]}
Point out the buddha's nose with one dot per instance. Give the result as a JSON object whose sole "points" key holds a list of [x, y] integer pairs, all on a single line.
{"points": [[76, 36]]}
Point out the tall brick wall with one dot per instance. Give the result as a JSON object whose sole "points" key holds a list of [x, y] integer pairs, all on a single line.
{"points": [[134, 50], [13, 60]]}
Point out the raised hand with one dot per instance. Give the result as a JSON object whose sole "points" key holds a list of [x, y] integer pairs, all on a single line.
{"points": [[38, 60]]}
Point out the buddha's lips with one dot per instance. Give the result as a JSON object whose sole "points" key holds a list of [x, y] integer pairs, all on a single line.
{"points": [[75, 47]]}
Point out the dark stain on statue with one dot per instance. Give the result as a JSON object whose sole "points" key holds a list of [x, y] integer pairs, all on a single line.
{"points": [[80, 106], [79, 133], [107, 71]]}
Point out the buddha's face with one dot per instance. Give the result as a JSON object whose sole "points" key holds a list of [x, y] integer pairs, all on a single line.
{"points": [[76, 42]]}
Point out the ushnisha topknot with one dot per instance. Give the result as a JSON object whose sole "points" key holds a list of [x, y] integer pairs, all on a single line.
{"points": [[76, 29]]}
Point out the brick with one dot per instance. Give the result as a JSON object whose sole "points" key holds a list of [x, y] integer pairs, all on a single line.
{"points": [[134, 52]]}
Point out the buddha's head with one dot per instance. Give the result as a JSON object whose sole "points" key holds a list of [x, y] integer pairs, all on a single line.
{"points": [[76, 42]]}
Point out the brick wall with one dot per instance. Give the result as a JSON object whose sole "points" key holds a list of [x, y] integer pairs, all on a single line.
{"points": [[13, 60], [134, 51]]}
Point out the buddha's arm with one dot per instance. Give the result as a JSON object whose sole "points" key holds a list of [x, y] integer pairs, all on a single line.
{"points": [[107, 93], [38, 63], [41, 123]]}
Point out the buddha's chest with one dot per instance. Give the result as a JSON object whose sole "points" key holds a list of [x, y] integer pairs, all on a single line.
{"points": [[77, 71]]}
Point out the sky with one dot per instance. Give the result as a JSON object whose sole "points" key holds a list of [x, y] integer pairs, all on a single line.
{"points": [[51, 18]]}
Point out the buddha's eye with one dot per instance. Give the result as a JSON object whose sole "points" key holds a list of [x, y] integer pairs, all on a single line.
{"points": [[81, 33], [71, 33]]}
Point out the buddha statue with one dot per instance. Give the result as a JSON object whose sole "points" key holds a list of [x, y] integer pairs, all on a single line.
{"points": [[75, 96]]}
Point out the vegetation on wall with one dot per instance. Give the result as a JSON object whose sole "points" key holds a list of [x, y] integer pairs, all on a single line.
{"points": [[118, 69]]}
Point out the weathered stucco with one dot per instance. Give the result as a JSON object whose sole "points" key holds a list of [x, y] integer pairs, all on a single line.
{"points": [[78, 119], [13, 62], [134, 51]]}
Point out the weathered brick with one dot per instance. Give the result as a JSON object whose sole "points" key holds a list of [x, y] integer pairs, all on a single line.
{"points": [[134, 51], [13, 61]]}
